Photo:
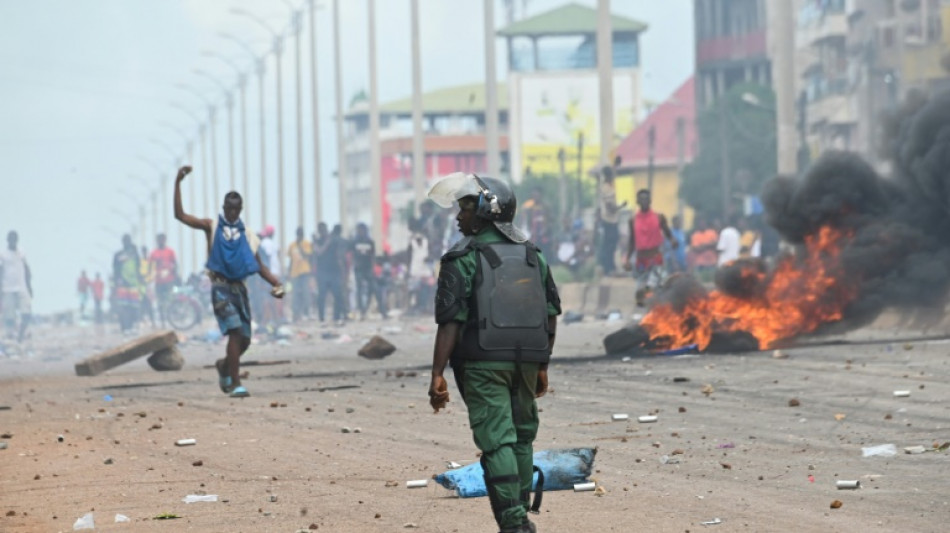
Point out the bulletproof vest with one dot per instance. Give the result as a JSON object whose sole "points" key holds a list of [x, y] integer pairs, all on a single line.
{"points": [[508, 319]]}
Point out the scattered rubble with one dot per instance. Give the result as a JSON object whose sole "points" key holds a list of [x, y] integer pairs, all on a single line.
{"points": [[376, 348]]}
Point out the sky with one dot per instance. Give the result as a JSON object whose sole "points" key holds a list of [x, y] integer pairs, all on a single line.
{"points": [[91, 98]]}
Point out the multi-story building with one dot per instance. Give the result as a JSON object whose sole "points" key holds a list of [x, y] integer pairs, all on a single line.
{"points": [[553, 87], [454, 124], [731, 46]]}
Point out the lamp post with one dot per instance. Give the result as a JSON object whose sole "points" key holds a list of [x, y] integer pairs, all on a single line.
{"points": [[317, 183], [418, 148], [229, 103], [376, 180], [278, 50], [212, 111], [242, 88], [259, 63], [296, 27], [338, 96], [189, 156]]}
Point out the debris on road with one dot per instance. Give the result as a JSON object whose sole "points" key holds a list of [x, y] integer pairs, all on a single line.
{"points": [[167, 359], [86, 521], [585, 487], [901, 393], [149, 344], [779, 354], [186, 442], [914, 450], [195, 498], [646, 419], [713, 522], [417, 483], [120, 518], [794, 402], [836, 504], [845, 484], [452, 465], [619, 416], [881, 450], [376, 348]]}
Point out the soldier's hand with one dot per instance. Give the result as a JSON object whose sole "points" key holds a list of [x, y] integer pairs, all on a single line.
{"points": [[182, 172], [438, 393], [541, 388]]}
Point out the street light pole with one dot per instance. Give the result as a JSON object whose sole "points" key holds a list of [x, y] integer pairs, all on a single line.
{"points": [[376, 180], [605, 79], [296, 21], [317, 185], [229, 103], [491, 92], [418, 147], [338, 82]]}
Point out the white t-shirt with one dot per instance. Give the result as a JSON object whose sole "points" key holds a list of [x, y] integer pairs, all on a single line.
{"points": [[272, 260], [14, 270], [728, 245]]}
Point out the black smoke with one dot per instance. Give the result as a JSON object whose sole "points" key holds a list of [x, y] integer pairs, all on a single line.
{"points": [[898, 254]]}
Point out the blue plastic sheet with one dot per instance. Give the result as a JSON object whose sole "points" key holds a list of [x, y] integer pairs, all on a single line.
{"points": [[562, 469]]}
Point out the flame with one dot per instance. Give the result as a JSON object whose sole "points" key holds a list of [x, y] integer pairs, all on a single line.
{"points": [[797, 297]]}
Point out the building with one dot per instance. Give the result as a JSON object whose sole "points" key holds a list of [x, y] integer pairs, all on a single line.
{"points": [[856, 59], [453, 120], [671, 131], [553, 86], [731, 46]]}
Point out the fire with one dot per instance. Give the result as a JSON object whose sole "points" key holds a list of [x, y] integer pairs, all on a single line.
{"points": [[797, 297]]}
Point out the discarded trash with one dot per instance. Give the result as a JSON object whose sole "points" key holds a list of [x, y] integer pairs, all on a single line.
{"points": [[343, 339], [914, 450], [60, 438], [272, 498], [779, 354], [614, 316], [345, 430], [726, 445], [329, 335], [571, 316], [186, 442], [417, 483], [392, 330], [561, 468], [166, 516], [619, 416], [585, 487], [626, 359], [107, 398], [901, 393], [646, 419], [284, 332], [84, 522], [840, 416], [713, 522], [667, 460], [844, 484], [882, 450], [680, 379], [452, 464], [3, 446], [194, 498], [119, 518], [689, 348], [836, 504]]}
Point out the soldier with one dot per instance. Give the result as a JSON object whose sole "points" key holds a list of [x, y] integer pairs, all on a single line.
{"points": [[497, 309]]}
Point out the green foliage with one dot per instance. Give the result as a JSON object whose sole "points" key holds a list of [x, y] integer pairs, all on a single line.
{"points": [[750, 139]]}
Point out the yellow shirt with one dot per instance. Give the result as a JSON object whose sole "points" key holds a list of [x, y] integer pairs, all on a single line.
{"points": [[299, 254]]}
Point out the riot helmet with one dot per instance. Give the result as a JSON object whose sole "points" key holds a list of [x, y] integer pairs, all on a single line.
{"points": [[496, 201]]}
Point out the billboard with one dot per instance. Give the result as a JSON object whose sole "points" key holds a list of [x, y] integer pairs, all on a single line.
{"points": [[551, 111]]}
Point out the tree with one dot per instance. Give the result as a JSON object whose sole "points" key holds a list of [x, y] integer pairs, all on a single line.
{"points": [[746, 116]]}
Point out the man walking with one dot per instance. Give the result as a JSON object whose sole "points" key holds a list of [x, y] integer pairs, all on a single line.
{"points": [[127, 285], [232, 257], [98, 293], [163, 266], [299, 253], [609, 218], [364, 259], [82, 290], [499, 371], [16, 289], [647, 230], [329, 260]]}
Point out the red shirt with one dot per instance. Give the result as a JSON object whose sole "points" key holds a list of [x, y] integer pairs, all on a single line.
{"points": [[98, 289], [163, 260]]}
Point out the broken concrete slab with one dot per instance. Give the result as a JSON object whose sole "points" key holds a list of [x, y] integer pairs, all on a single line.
{"points": [[166, 359], [377, 348], [99, 363]]}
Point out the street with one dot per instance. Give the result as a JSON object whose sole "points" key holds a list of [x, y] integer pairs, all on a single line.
{"points": [[760, 449]]}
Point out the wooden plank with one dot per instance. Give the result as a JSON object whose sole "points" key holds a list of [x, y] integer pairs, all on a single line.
{"points": [[129, 351]]}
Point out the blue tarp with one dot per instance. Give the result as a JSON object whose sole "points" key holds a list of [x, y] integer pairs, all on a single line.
{"points": [[562, 469]]}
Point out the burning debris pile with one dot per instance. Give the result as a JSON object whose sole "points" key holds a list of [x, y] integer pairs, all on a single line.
{"points": [[863, 243]]}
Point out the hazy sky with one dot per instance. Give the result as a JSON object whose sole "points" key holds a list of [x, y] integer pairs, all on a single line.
{"points": [[86, 86]]}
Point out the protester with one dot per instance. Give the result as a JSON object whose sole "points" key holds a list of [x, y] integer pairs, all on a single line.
{"points": [[702, 246], [128, 286], [82, 290], [272, 310], [232, 257], [537, 219], [148, 278], [750, 240], [647, 230], [675, 257], [431, 224], [364, 259], [609, 218], [163, 267], [16, 289], [299, 253], [420, 274], [499, 371], [98, 293], [329, 270], [729, 242]]}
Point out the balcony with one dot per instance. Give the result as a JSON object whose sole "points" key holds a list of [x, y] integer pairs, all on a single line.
{"points": [[833, 24], [733, 48]]}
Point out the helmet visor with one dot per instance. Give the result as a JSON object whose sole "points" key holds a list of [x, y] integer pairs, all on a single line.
{"points": [[452, 187]]}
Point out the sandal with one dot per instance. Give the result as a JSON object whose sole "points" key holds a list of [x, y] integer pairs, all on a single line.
{"points": [[239, 392], [224, 380]]}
